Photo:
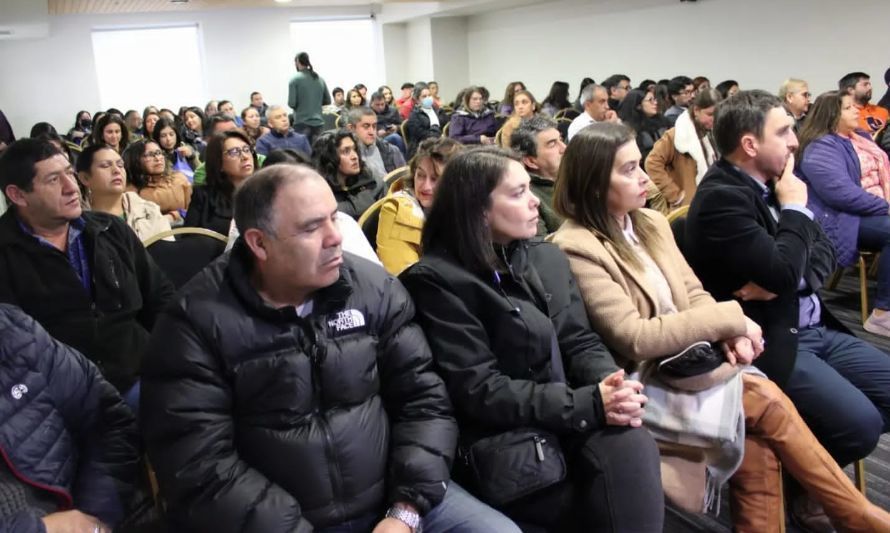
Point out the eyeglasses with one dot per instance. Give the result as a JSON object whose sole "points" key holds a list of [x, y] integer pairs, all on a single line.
{"points": [[235, 153], [649, 99], [153, 155]]}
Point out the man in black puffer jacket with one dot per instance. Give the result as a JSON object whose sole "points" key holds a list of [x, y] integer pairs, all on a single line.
{"points": [[290, 390], [68, 444]]}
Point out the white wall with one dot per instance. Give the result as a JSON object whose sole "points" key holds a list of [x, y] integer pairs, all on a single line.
{"points": [[757, 42], [244, 51], [450, 55], [420, 51]]}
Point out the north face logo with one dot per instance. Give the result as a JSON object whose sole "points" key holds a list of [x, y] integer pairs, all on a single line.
{"points": [[19, 390], [345, 321]]}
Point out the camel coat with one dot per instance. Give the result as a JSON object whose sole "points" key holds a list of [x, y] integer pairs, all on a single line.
{"points": [[621, 303]]}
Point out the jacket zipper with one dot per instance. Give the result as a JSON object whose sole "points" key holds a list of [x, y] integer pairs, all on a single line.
{"points": [[67, 500], [317, 357]]}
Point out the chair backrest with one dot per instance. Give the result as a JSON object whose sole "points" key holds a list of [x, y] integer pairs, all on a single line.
{"points": [[563, 126], [403, 130], [182, 259], [396, 175], [499, 136], [570, 113], [445, 129], [330, 120], [370, 221]]}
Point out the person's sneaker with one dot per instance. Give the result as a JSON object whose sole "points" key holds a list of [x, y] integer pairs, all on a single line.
{"points": [[809, 515], [878, 324]]}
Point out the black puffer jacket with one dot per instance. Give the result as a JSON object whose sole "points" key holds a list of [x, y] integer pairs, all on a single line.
{"points": [[259, 420], [64, 431], [492, 341], [110, 326]]}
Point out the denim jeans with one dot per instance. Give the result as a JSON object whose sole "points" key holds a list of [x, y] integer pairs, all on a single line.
{"points": [[458, 511], [874, 236], [396, 140], [311, 132], [841, 387]]}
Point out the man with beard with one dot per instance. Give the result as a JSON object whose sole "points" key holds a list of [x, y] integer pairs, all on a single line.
{"points": [[871, 117]]}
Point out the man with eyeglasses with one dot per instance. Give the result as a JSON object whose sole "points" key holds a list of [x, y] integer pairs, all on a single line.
{"points": [[680, 90], [83, 275], [281, 135], [795, 96], [617, 86]]}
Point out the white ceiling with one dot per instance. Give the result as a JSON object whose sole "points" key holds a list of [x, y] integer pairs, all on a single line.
{"points": [[68, 7]]}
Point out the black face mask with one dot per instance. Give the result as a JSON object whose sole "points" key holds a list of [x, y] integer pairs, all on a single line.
{"points": [[85, 123]]}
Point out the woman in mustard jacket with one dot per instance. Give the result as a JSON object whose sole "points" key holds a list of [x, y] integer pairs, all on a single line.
{"points": [[403, 212]]}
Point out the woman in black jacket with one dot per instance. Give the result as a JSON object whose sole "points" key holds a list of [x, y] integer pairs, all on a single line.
{"points": [[639, 110], [337, 159], [534, 388], [425, 120]]}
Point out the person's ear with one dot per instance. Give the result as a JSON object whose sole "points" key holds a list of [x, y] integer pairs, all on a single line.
{"points": [[749, 145], [530, 162], [16, 195], [255, 239]]}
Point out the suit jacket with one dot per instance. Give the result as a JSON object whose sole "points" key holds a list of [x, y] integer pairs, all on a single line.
{"points": [[622, 303], [731, 238]]}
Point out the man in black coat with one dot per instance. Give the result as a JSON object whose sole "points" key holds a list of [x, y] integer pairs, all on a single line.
{"points": [[70, 446], [750, 236], [85, 276], [290, 390]]}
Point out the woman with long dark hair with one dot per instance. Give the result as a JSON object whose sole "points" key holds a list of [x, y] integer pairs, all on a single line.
{"points": [[557, 99], [182, 157], [524, 106], [112, 131], [149, 175], [648, 305], [848, 180], [229, 159], [639, 110], [337, 158], [549, 425], [506, 105]]}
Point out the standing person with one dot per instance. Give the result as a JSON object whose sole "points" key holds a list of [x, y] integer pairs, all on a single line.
{"points": [[533, 386], [307, 93], [289, 388]]}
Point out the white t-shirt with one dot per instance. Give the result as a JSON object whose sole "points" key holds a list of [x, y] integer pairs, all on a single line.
{"points": [[581, 121], [354, 240]]}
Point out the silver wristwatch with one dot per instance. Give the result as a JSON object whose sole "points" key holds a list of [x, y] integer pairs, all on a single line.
{"points": [[410, 518]]}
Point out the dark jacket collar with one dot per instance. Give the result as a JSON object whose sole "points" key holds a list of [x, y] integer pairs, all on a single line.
{"points": [[12, 233], [538, 180], [237, 274]]}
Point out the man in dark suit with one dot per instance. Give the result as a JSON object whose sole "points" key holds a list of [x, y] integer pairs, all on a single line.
{"points": [[750, 236]]}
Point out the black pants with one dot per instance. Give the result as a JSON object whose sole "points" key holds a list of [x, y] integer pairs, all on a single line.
{"points": [[311, 132], [614, 484]]}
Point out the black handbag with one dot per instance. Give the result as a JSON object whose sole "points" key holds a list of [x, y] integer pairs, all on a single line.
{"points": [[519, 462]]}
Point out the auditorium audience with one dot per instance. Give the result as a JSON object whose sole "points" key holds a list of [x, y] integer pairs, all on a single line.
{"points": [[252, 123], [379, 156], [133, 121], [639, 110], [103, 177], [227, 108], [181, 157], [644, 300], [425, 120], [526, 373], [523, 106], [230, 161], [388, 122], [595, 100], [78, 470], [871, 117], [193, 128], [540, 147], [434, 92], [336, 157], [764, 248], [148, 123], [682, 156], [795, 95], [404, 211], [82, 127], [149, 175], [848, 186], [506, 105], [680, 93], [281, 134], [727, 88], [473, 123], [256, 102], [617, 86], [558, 98], [354, 99], [374, 430], [701, 83], [387, 94], [111, 131], [85, 276]]}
